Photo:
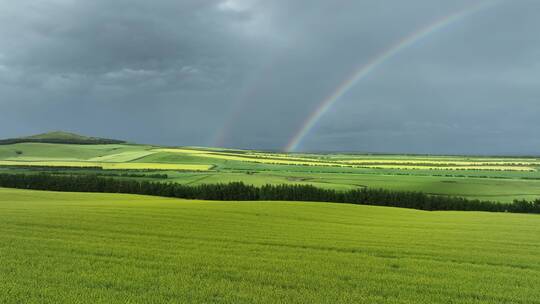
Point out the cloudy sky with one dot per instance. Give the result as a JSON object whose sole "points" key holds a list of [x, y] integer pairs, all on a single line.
{"points": [[249, 73]]}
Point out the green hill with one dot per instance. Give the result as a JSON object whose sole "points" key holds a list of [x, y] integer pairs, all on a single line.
{"points": [[60, 137]]}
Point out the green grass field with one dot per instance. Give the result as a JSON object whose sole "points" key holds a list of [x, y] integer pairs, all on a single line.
{"points": [[502, 179], [104, 248]]}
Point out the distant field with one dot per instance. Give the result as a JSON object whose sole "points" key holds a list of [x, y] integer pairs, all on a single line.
{"points": [[500, 179], [107, 166], [122, 157], [63, 152], [502, 190], [451, 168], [444, 163], [395, 163], [104, 248], [255, 158]]}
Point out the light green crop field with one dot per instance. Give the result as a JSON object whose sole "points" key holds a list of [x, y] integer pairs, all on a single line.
{"points": [[38, 151], [107, 165], [107, 248], [123, 156], [502, 179]]}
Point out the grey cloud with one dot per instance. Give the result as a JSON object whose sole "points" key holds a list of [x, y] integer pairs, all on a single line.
{"points": [[250, 72]]}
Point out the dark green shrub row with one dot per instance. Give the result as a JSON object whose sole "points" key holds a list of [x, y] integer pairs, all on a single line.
{"points": [[241, 192]]}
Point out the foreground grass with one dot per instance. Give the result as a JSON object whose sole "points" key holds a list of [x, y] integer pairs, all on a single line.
{"points": [[102, 248]]}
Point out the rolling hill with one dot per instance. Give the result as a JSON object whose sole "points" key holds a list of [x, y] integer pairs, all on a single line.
{"points": [[61, 137]]}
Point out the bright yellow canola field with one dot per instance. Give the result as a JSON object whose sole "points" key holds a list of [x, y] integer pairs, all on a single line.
{"points": [[108, 166]]}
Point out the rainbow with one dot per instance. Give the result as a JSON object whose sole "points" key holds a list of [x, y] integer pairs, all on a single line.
{"points": [[364, 70]]}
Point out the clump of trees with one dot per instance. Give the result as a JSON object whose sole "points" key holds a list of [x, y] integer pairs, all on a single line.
{"points": [[238, 191]]}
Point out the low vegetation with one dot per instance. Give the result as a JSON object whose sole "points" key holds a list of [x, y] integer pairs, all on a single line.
{"points": [[111, 248]]}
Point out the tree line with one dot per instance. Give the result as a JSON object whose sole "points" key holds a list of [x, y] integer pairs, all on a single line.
{"points": [[237, 191]]}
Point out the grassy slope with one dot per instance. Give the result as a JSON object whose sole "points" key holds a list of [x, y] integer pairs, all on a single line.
{"points": [[99, 248], [59, 135], [34, 151]]}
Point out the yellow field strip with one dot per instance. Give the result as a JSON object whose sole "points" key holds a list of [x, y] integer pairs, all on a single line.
{"points": [[288, 157], [452, 168], [438, 162]]}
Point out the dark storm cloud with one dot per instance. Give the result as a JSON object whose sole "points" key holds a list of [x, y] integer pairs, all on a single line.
{"points": [[248, 73]]}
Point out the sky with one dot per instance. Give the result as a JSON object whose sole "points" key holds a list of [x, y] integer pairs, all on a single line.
{"points": [[250, 73]]}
